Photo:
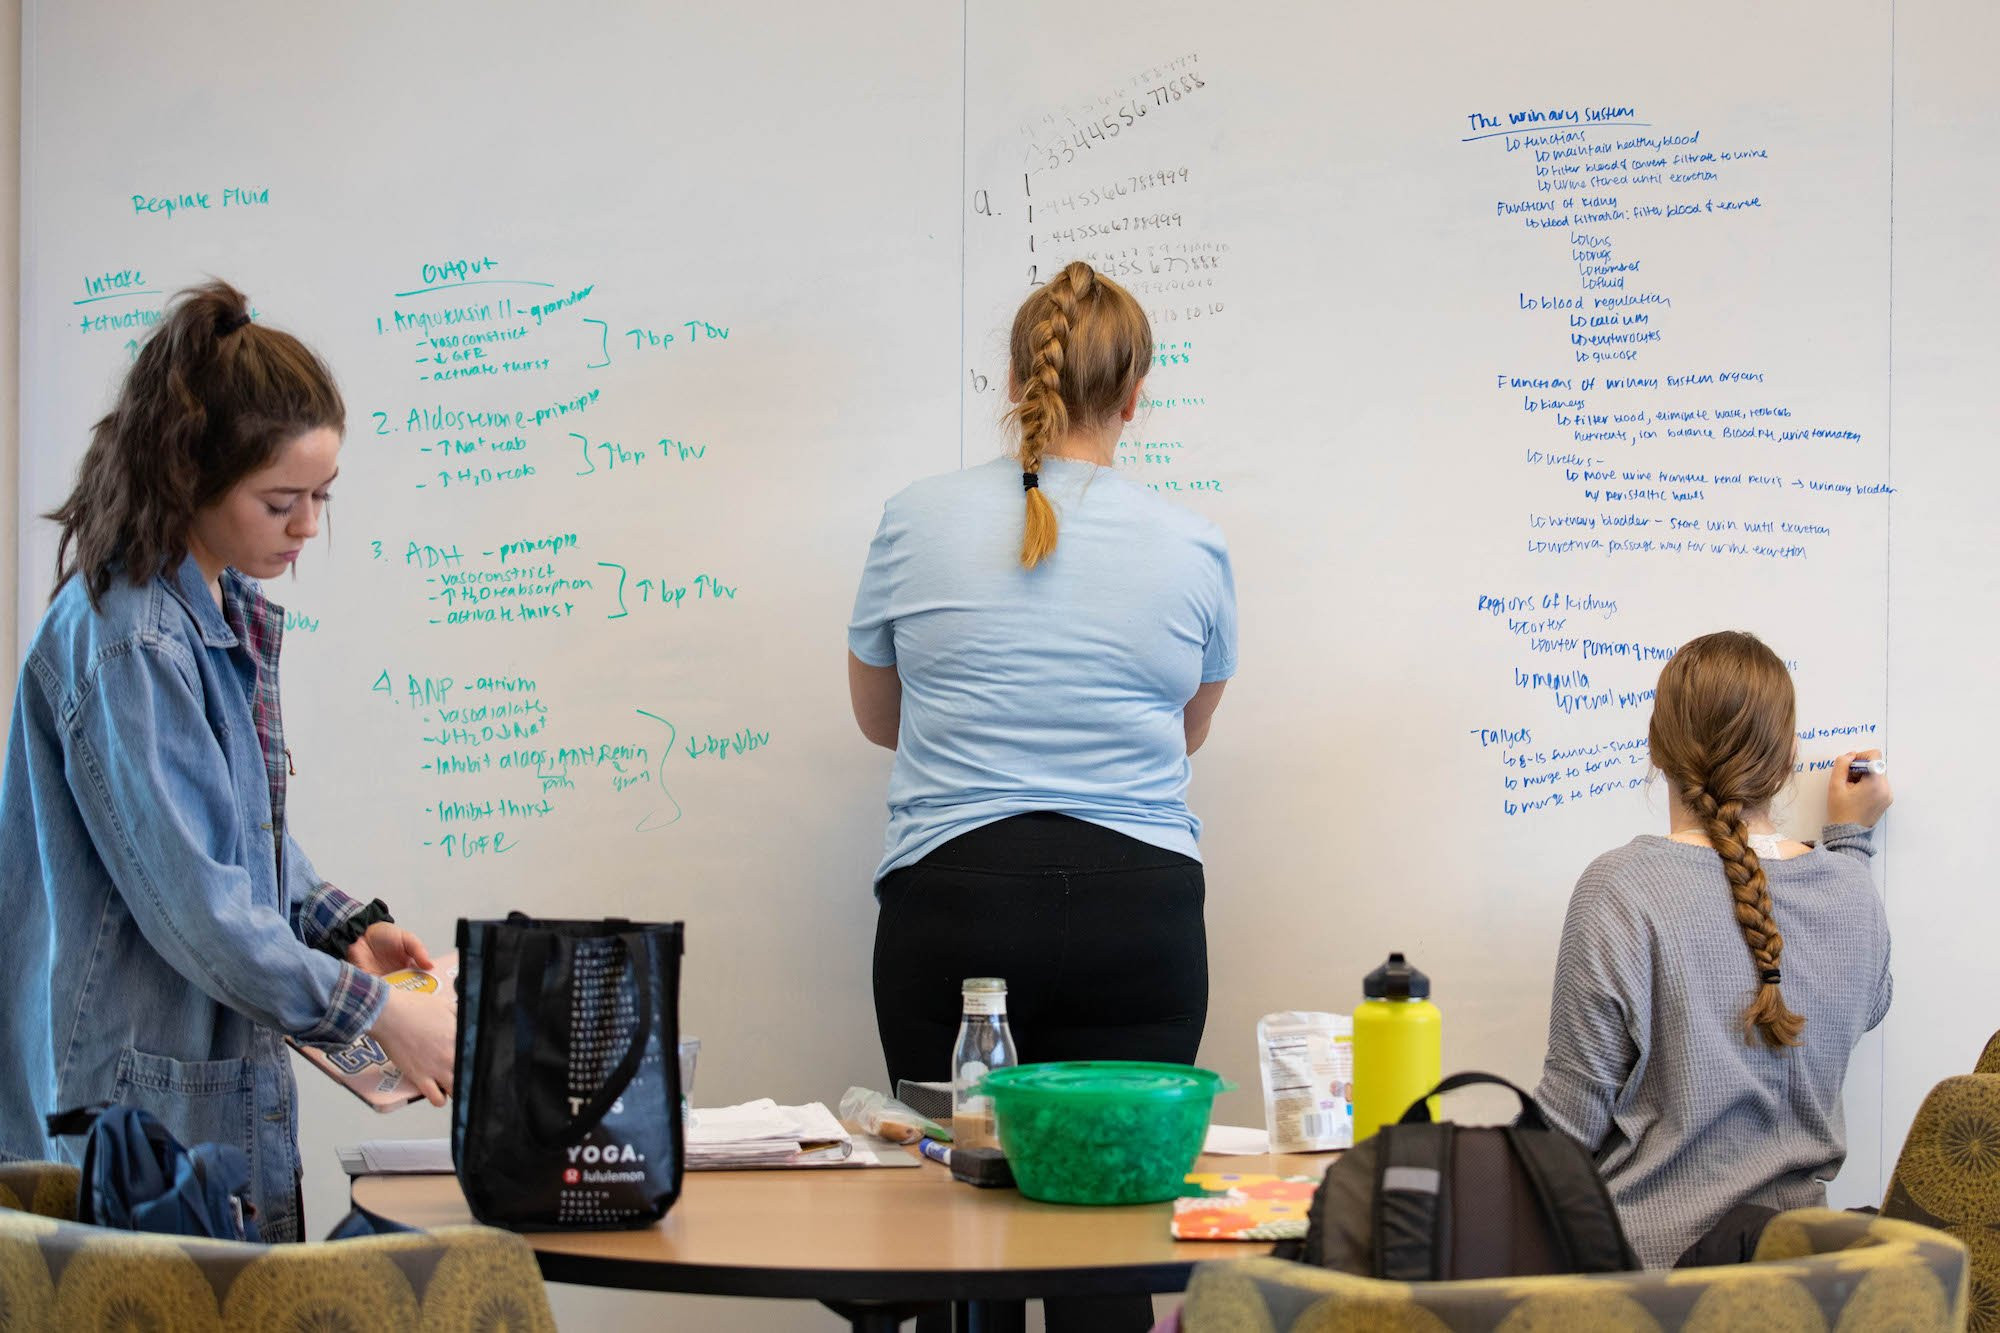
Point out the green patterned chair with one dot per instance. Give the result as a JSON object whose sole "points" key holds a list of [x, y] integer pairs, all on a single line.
{"points": [[1948, 1177], [1815, 1270], [1989, 1059], [57, 1274]]}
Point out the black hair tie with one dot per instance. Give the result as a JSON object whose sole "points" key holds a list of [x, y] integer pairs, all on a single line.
{"points": [[342, 937], [1771, 976], [1030, 481], [228, 324]]}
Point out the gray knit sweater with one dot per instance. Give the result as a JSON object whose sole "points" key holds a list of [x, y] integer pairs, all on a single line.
{"points": [[1647, 1065]]}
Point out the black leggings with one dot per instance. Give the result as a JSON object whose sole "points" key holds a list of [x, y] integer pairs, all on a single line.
{"points": [[1098, 936]]}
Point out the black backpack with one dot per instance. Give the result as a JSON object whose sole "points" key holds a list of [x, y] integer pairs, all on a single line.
{"points": [[1423, 1202]]}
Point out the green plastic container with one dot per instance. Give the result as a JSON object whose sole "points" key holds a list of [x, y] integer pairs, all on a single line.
{"points": [[1102, 1131]]}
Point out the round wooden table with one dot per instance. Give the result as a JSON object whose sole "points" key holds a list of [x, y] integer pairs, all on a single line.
{"points": [[874, 1244]]}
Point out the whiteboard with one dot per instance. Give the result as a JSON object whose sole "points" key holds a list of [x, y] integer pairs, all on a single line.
{"points": [[1509, 349], [1504, 377]]}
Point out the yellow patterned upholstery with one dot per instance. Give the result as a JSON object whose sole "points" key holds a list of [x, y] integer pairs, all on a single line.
{"points": [[59, 1275], [1989, 1059], [1949, 1178], [1815, 1270], [47, 1189]]}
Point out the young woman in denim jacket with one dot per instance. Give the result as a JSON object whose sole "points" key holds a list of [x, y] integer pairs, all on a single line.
{"points": [[164, 933]]}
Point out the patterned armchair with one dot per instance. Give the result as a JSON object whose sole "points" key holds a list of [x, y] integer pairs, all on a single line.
{"points": [[47, 1189], [58, 1274], [1815, 1269], [1989, 1059], [1949, 1178]]}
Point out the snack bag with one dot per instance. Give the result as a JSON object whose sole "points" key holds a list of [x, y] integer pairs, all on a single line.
{"points": [[1307, 1060]]}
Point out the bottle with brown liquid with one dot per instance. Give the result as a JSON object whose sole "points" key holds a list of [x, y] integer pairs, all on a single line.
{"points": [[984, 1045]]}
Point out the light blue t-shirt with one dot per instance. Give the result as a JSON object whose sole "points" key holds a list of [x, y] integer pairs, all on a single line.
{"points": [[1057, 688]]}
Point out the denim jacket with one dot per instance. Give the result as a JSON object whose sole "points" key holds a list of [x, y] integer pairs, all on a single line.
{"points": [[157, 922]]}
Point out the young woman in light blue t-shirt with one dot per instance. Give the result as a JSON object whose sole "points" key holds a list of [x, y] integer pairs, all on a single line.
{"points": [[1043, 665]]}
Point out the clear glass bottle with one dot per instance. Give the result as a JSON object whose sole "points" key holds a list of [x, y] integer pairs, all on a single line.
{"points": [[984, 1044]]}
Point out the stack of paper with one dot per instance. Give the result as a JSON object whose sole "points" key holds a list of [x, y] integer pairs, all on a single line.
{"points": [[763, 1133], [396, 1157], [1236, 1141]]}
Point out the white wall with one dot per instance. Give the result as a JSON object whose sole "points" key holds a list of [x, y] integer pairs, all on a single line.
{"points": [[1944, 703], [10, 330]]}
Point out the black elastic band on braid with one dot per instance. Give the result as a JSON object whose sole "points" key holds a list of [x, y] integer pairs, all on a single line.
{"points": [[1772, 976], [228, 324], [1030, 481]]}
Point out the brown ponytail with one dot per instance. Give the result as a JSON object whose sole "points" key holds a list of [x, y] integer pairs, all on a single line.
{"points": [[1080, 345], [1722, 732], [208, 401]]}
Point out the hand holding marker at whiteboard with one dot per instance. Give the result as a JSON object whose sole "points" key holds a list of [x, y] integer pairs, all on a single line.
{"points": [[1858, 789]]}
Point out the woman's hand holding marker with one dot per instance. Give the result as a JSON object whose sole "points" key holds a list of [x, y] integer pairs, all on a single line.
{"points": [[1858, 792]]}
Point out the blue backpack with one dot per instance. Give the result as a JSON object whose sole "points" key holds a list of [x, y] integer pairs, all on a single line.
{"points": [[138, 1177]]}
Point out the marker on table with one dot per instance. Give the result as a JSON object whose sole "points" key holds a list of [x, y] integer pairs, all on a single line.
{"points": [[1861, 768]]}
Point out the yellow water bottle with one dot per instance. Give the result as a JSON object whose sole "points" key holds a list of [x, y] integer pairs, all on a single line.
{"points": [[1398, 1046]]}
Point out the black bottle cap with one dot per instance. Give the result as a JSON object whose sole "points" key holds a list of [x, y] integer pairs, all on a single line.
{"points": [[1396, 980]]}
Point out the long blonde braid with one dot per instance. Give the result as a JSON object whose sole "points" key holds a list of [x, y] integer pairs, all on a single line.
{"points": [[1080, 346]]}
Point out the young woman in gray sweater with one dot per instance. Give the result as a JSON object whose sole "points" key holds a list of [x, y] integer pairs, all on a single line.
{"points": [[1711, 984]]}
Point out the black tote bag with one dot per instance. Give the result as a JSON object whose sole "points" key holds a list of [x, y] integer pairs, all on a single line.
{"points": [[566, 1107]]}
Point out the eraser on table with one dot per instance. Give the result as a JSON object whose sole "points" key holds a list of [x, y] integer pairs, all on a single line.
{"points": [[984, 1167]]}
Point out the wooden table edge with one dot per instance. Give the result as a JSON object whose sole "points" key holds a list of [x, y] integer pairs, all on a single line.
{"points": [[774, 1279]]}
